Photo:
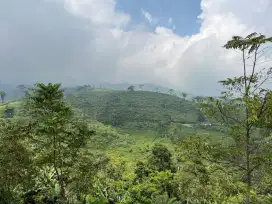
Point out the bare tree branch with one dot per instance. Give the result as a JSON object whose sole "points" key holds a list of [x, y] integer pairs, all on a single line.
{"points": [[253, 67], [227, 116], [261, 83]]}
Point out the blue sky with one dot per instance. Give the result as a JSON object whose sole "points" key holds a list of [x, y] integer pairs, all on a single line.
{"points": [[183, 13]]}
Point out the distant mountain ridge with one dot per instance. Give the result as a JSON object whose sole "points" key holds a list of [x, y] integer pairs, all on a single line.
{"points": [[145, 87], [14, 93], [123, 108]]}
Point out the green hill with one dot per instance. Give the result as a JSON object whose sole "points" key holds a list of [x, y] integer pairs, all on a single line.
{"points": [[140, 109], [162, 117]]}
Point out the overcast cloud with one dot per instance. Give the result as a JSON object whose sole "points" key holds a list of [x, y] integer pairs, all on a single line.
{"points": [[81, 41]]}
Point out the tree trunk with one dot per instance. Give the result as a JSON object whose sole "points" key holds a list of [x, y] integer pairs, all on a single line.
{"points": [[247, 129], [62, 190], [62, 193], [248, 181]]}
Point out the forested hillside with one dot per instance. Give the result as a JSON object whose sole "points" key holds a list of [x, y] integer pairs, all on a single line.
{"points": [[138, 109], [100, 146]]}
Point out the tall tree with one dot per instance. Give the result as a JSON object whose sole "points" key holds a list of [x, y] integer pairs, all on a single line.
{"points": [[161, 158], [184, 95], [16, 161], [55, 135], [244, 106], [197, 99], [131, 88], [2, 95], [21, 91], [22, 88]]}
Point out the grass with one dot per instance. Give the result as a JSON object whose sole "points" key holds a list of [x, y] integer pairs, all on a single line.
{"points": [[132, 146], [136, 145]]}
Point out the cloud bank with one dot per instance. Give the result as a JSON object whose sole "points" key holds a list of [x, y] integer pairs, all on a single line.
{"points": [[83, 41]]}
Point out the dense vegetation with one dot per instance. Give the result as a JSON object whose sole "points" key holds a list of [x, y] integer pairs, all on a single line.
{"points": [[138, 109], [103, 146]]}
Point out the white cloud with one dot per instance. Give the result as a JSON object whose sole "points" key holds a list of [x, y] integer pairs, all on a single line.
{"points": [[92, 42], [149, 17], [101, 12]]}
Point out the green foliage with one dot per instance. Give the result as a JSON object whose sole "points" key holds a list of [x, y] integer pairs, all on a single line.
{"points": [[203, 177], [10, 109], [142, 171], [243, 109], [88, 165], [161, 158], [133, 110], [131, 88], [3, 95], [250, 43], [110, 184], [171, 91], [143, 193], [201, 118], [184, 95], [16, 161], [164, 199], [56, 136], [9, 112], [156, 183]]}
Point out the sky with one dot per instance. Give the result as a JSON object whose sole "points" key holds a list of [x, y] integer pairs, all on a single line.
{"points": [[179, 15], [174, 43]]}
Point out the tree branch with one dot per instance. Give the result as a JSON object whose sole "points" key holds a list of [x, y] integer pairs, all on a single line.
{"points": [[253, 67], [225, 115], [266, 78], [253, 168], [220, 162]]}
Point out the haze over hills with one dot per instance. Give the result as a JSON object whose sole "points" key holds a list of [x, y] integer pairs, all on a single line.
{"points": [[13, 92], [114, 104]]}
